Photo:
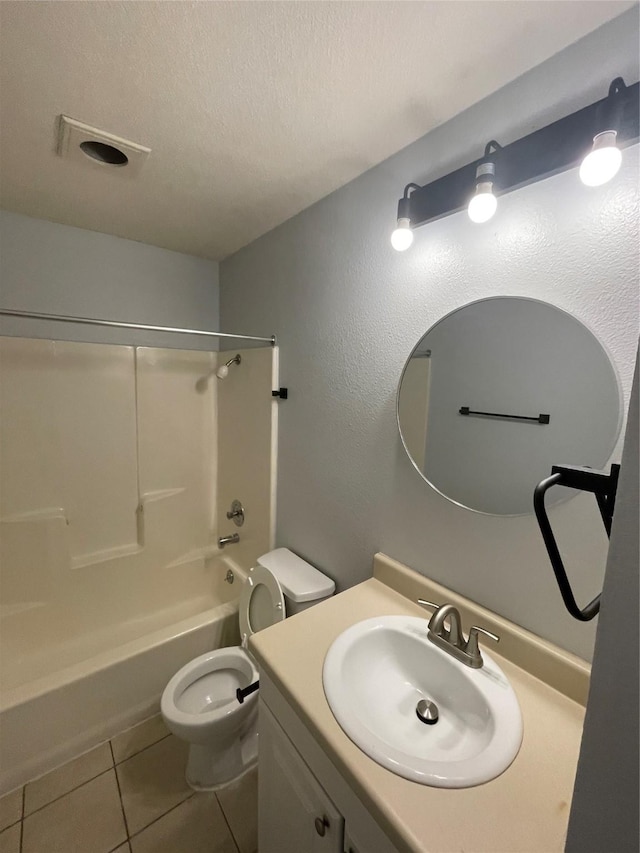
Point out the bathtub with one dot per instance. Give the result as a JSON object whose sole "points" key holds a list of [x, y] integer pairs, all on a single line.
{"points": [[70, 699]]}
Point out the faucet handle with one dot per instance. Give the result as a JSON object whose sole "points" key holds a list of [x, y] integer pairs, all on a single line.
{"points": [[428, 604], [472, 648], [475, 631]]}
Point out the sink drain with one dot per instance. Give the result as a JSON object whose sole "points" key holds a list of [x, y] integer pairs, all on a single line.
{"points": [[427, 712]]}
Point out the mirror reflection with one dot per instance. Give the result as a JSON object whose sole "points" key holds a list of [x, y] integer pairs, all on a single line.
{"points": [[500, 390]]}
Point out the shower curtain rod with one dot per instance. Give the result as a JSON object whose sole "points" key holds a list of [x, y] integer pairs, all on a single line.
{"points": [[90, 321]]}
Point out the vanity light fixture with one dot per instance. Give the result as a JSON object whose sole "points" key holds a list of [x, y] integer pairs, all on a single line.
{"points": [[598, 131], [603, 161], [483, 203], [402, 237], [605, 158]]}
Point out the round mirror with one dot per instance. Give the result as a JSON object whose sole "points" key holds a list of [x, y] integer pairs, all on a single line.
{"points": [[500, 390]]}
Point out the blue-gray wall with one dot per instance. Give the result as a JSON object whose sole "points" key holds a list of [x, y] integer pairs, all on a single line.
{"points": [[348, 310], [605, 807], [56, 269]]}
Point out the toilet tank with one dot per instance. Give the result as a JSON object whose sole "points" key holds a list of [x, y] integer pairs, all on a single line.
{"points": [[301, 583]]}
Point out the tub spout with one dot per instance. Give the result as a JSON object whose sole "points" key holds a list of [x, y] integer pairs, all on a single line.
{"points": [[228, 540]]}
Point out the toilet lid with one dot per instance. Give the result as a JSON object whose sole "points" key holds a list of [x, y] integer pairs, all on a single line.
{"points": [[261, 603]]}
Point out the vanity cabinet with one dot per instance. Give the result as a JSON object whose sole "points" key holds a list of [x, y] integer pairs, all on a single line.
{"points": [[304, 804], [295, 813], [524, 809]]}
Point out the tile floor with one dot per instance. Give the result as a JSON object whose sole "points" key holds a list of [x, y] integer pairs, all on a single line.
{"points": [[129, 796]]}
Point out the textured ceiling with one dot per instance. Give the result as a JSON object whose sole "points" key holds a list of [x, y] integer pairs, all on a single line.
{"points": [[253, 110]]}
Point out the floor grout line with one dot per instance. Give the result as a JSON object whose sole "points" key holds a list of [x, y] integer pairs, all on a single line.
{"points": [[113, 767], [75, 788], [118, 846], [156, 819], [133, 755], [124, 814], [41, 776], [233, 838], [24, 787], [127, 842]]}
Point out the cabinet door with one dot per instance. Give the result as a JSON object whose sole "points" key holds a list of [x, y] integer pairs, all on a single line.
{"points": [[295, 815], [349, 844], [369, 839]]}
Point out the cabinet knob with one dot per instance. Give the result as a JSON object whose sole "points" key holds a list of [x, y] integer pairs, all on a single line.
{"points": [[322, 824]]}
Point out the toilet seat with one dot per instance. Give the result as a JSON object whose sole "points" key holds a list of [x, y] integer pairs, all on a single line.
{"points": [[261, 603]]}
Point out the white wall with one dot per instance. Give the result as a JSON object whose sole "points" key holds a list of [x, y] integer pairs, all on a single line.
{"points": [[57, 269], [348, 310]]}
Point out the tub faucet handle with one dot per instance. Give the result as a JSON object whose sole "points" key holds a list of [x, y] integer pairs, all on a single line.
{"points": [[236, 513]]}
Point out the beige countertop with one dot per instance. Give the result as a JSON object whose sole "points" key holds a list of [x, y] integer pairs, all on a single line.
{"points": [[526, 808]]}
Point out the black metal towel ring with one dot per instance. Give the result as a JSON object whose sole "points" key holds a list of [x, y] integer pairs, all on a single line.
{"points": [[604, 487]]}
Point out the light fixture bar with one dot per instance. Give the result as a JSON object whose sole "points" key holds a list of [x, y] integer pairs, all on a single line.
{"points": [[552, 149]]}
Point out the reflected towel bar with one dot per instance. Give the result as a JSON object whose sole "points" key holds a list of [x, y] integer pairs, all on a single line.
{"points": [[541, 419], [604, 487], [91, 321]]}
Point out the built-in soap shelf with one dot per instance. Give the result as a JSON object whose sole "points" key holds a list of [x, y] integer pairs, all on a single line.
{"points": [[39, 539], [11, 610], [105, 556], [36, 515], [146, 502]]}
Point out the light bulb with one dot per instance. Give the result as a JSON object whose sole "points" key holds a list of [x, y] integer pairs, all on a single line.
{"points": [[402, 237], [603, 161], [483, 204]]}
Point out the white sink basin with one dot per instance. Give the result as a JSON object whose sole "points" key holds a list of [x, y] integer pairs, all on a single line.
{"points": [[377, 671]]}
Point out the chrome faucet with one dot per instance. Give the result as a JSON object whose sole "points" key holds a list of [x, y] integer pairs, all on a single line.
{"points": [[228, 540], [451, 640]]}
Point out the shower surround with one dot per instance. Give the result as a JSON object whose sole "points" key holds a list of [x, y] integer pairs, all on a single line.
{"points": [[118, 465]]}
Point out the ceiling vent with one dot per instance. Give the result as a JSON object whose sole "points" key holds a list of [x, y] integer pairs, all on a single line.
{"points": [[86, 144]]}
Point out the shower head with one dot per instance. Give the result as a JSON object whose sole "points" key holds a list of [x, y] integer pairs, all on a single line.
{"points": [[223, 371]]}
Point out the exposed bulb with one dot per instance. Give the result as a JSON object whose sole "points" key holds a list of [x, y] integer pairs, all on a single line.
{"points": [[222, 372], [402, 237], [603, 161], [483, 204]]}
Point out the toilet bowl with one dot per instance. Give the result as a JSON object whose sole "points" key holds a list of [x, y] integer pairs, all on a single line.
{"points": [[199, 703]]}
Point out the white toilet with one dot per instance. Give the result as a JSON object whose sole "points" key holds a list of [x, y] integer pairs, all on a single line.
{"points": [[199, 704]]}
